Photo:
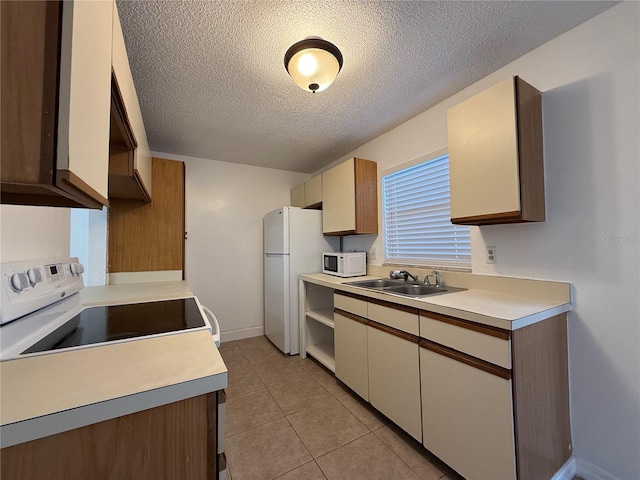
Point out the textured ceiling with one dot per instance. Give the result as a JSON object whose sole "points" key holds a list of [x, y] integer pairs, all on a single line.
{"points": [[211, 80]]}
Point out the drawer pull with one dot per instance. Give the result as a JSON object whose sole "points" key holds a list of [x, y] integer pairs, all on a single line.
{"points": [[467, 359]]}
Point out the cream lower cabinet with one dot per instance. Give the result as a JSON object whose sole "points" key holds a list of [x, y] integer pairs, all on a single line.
{"points": [[467, 417], [376, 351], [491, 403], [394, 370], [351, 355], [494, 401]]}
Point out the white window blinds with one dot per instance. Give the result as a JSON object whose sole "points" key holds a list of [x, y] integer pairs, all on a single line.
{"points": [[417, 227]]}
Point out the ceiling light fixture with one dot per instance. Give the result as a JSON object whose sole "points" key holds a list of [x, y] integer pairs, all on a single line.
{"points": [[313, 63]]}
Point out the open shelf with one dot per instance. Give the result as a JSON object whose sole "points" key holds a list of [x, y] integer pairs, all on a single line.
{"points": [[317, 325], [324, 316], [323, 353]]}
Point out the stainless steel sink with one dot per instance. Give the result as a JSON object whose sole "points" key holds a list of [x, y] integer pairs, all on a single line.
{"points": [[380, 283], [413, 290], [400, 287]]}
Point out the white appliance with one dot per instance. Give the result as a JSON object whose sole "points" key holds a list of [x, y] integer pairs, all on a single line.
{"points": [[344, 264], [41, 312], [293, 244]]}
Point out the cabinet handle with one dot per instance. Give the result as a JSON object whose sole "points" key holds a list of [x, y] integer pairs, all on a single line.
{"points": [[469, 325], [466, 359]]}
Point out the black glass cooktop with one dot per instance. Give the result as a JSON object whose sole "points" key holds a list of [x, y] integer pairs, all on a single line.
{"points": [[118, 322]]}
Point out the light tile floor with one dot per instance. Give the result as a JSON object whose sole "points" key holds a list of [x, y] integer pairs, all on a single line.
{"points": [[288, 418]]}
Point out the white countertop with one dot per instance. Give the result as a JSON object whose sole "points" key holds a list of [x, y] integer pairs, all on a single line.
{"points": [[134, 292], [493, 308], [48, 394]]}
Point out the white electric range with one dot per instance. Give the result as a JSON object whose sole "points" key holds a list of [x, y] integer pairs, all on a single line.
{"points": [[41, 312]]}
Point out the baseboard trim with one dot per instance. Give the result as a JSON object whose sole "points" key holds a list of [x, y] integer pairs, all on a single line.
{"points": [[589, 471], [241, 333], [568, 470]]}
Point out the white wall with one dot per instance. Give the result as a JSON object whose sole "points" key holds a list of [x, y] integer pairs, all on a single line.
{"points": [[33, 233], [89, 243], [225, 206], [591, 102]]}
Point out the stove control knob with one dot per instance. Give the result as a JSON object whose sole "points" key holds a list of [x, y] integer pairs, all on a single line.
{"points": [[77, 269], [34, 275], [18, 282]]}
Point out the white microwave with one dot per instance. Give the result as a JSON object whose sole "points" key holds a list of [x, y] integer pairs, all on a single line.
{"points": [[344, 264]]}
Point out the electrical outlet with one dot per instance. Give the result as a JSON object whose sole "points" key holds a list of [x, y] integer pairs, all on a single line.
{"points": [[372, 253], [492, 253]]}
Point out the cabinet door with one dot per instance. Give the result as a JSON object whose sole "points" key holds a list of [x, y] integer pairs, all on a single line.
{"points": [[85, 97], [339, 198], [467, 417], [394, 379], [313, 192], [483, 153], [496, 156], [149, 237], [122, 72], [350, 344], [297, 196], [56, 88], [131, 446]]}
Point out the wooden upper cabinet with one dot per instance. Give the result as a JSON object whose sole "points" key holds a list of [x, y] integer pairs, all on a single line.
{"points": [[496, 156], [56, 90], [150, 237], [350, 198], [129, 174]]}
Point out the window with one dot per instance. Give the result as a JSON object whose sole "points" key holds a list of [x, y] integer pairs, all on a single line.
{"points": [[416, 218]]}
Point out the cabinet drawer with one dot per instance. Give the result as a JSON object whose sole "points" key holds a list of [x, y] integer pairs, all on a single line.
{"points": [[396, 317], [491, 345], [350, 304]]}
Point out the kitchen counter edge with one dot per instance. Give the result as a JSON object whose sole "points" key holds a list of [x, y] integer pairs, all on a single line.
{"points": [[472, 304], [22, 423]]}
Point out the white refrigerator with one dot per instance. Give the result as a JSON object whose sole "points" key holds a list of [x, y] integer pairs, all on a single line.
{"points": [[293, 245]]}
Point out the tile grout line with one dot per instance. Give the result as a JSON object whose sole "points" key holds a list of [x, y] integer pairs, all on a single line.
{"points": [[334, 397]]}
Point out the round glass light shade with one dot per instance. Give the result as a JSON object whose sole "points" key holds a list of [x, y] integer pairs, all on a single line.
{"points": [[313, 63]]}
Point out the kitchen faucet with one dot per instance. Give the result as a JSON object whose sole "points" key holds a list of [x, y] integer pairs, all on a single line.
{"points": [[396, 274], [436, 277]]}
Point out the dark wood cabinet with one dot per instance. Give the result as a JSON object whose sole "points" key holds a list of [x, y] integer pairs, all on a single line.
{"points": [[147, 237], [124, 179], [178, 440], [56, 72]]}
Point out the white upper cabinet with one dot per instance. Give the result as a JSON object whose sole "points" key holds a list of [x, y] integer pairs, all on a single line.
{"points": [[140, 171], [297, 196], [313, 192], [496, 157], [350, 198], [85, 96], [308, 194]]}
